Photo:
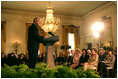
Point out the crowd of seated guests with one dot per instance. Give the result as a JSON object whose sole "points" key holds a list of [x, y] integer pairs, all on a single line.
{"points": [[89, 59], [13, 59], [74, 59]]}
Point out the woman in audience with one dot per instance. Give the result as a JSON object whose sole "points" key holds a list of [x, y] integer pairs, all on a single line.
{"points": [[60, 59], [92, 61], [3, 59], [68, 59], [108, 62], [75, 59], [83, 58]]}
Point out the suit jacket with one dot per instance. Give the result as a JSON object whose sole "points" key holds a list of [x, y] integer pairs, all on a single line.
{"points": [[34, 38], [84, 59]]}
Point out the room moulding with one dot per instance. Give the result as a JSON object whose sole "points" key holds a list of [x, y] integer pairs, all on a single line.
{"points": [[37, 13], [99, 8]]}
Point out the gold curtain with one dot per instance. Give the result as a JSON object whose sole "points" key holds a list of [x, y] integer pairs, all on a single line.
{"points": [[3, 35], [71, 29], [42, 33]]}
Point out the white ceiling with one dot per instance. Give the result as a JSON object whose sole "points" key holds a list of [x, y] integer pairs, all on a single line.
{"points": [[71, 8]]}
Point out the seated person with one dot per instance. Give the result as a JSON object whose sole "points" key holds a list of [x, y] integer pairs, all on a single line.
{"points": [[68, 59], [83, 58], [43, 59], [102, 56], [92, 61], [11, 60], [73, 53], [108, 61], [75, 59], [22, 59], [89, 52], [3, 59], [60, 59], [115, 64]]}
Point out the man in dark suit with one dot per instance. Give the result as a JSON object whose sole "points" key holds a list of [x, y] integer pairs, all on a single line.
{"points": [[34, 39]]}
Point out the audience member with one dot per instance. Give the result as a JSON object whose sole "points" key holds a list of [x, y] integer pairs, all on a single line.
{"points": [[22, 59], [3, 59], [43, 59], [102, 56], [115, 65], [75, 59], [80, 54], [84, 57], [11, 60], [92, 61], [89, 52], [68, 59], [60, 59], [72, 52]]}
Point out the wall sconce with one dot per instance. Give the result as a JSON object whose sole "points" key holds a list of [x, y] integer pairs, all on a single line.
{"points": [[16, 45]]}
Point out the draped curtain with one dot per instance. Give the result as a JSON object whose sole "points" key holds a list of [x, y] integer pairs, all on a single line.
{"points": [[3, 35], [71, 29]]}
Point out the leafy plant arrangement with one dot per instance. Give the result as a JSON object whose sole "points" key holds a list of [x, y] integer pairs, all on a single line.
{"points": [[41, 71]]}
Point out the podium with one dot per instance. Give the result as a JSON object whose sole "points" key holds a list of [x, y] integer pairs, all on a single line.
{"points": [[49, 42]]}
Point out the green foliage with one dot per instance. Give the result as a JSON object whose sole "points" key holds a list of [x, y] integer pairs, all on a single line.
{"points": [[81, 73], [92, 74], [41, 71], [7, 72], [65, 72]]}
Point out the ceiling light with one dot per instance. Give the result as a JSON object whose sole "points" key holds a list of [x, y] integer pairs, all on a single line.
{"points": [[50, 23]]}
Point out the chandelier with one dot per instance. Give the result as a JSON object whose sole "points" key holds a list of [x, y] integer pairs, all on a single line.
{"points": [[50, 23]]}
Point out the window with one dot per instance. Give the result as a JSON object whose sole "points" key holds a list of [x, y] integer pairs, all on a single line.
{"points": [[71, 41]]}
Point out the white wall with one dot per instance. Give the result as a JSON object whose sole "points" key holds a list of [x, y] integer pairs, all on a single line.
{"points": [[109, 10]]}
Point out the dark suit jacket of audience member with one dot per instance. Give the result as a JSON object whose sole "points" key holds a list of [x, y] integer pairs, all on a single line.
{"points": [[115, 65], [71, 59], [101, 57], [3, 61], [83, 59], [12, 60], [60, 60], [68, 59]]}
